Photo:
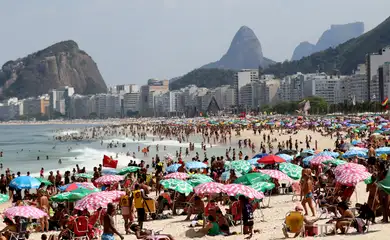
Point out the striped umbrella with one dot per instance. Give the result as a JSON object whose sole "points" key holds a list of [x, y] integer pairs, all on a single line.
{"points": [[239, 189], [263, 186], [108, 179], [177, 175], [276, 174], [208, 188], [351, 178], [240, 166], [97, 200], [286, 157], [317, 160], [177, 185], [129, 169], [252, 178], [334, 162], [24, 211], [4, 198], [292, 170], [349, 168]]}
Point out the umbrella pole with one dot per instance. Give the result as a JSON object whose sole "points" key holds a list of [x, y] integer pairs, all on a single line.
{"points": [[173, 206]]}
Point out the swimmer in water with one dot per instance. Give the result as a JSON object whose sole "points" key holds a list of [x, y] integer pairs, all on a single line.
{"points": [[60, 161], [47, 157], [38, 158]]}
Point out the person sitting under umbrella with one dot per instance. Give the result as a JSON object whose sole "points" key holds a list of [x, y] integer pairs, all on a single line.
{"points": [[196, 208], [9, 228], [145, 233]]}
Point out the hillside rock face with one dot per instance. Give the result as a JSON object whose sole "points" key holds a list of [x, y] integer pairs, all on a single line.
{"points": [[62, 64], [244, 53], [336, 35]]}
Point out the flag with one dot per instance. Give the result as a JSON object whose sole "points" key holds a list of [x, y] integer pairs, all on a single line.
{"points": [[109, 162], [384, 103]]}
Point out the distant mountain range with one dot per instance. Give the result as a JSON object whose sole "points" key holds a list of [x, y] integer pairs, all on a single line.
{"points": [[62, 64], [336, 35], [343, 58]]}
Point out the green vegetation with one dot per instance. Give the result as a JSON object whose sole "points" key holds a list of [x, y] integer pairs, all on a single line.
{"points": [[209, 78], [344, 57]]}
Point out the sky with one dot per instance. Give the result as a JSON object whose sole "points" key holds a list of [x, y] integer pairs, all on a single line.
{"points": [[135, 40]]}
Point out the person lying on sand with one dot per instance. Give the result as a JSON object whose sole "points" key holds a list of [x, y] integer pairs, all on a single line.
{"points": [[144, 233]]}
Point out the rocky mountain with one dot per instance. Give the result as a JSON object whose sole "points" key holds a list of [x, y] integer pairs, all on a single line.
{"points": [[332, 37], [245, 52], [62, 64], [345, 57]]}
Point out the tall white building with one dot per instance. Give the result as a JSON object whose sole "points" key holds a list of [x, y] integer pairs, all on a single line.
{"points": [[241, 79], [324, 86], [356, 85], [79, 106], [131, 102], [373, 62], [291, 88]]}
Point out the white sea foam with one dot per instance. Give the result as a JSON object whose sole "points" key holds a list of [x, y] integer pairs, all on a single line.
{"points": [[69, 132], [124, 140]]}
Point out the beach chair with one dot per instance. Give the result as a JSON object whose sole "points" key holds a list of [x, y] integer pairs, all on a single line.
{"points": [[294, 223], [21, 226], [80, 229], [265, 202], [296, 188]]}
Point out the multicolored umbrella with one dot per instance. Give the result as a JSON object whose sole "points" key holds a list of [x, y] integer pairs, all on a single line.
{"points": [[196, 179], [24, 211], [109, 171], [239, 189], [292, 170], [74, 195], [25, 182], [4, 198], [84, 175], [271, 159], [317, 160], [226, 175], [354, 153], [195, 165], [97, 200], [276, 174], [263, 186], [108, 179], [286, 157], [328, 153], [240, 166], [208, 188], [252, 178], [129, 169], [349, 168], [177, 175], [177, 185], [76, 185], [351, 173], [45, 181], [383, 150]]}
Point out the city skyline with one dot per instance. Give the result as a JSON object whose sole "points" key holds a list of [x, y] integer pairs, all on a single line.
{"points": [[132, 41]]}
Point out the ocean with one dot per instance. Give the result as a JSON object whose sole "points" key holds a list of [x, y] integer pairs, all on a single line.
{"points": [[23, 144]]}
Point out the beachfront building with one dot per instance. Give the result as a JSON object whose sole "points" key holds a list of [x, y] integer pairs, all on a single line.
{"points": [[78, 108], [373, 62], [59, 101], [9, 109], [131, 103], [148, 93], [45, 104], [30, 107], [123, 89], [384, 79], [243, 78], [291, 88], [324, 86], [356, 85]]}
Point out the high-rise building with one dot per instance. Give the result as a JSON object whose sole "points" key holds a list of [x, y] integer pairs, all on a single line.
{"points": [[373, 62], [131, 102], [147, 94], [241, 79]]}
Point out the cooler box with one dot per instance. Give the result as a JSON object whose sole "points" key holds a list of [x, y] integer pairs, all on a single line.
{"points": [[150, 206]]}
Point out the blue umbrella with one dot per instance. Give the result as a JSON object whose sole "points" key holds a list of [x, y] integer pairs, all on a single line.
{"points": [[356, 142], [286, 157], [306, 160], [310, 151], [25, 182], [195, 165], [260, 155], [253, 161], [173, 168], [354, 153], [328, 153], [383, 150], [226, 175], [109, 171]]}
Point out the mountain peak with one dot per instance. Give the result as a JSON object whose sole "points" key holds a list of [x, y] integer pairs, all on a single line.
{"points": [[244, 52]]}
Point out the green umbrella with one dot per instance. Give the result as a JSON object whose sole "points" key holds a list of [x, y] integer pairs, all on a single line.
{"points": [[334, 162], [74, 195], [240, 166], [385, 184], [252, 178], [129, 169], [263, 186], [177, 185], [45, 181], [197, 179], [292, 170], [84, 175], [4, 198]]}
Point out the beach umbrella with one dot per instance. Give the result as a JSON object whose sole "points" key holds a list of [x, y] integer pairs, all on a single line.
{"points": [[196, 179], [308, 151], [306, 160], [84, 175], [349, 168], [195, 165], [97, 200], [286, 157], [4, 198], [328, 153], [239, 189], [240, 166], [108, 179], [334, 162], [173, 168], [24, 211], [127, 170], [383, 150], [177, 185], [226, 175], [260, 155], [317, 160], [263, 186], [45, 181], [384, 185], [271, 159], [177, 175], [351, 178], [276, 174], [356, 142], [252, 178], [253, 161], [359, 149], [292, 170], [74, 195], [209, 188], [25, 182], [109, 171], [76, 185], [354, 153]]}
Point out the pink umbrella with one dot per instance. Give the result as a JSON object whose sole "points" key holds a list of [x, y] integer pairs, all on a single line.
{"points": [[98, 200], [108, 179], [24, 211], [209, 188], [177, 175], [238, 189], [352, 178], [349, 168], [319, 159], [276, 174]]}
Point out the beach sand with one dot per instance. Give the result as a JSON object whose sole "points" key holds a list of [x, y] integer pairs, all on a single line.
{"points": [[274, 215]]}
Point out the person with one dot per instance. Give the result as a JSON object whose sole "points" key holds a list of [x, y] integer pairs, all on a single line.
{"points": [[307, 190], [197, 208], [247, 215], [346, 218], [139, 198], [43, 204], [127, 210], [9, 228], [108, 224], [296, 230], [211, 228], [143, 234]]}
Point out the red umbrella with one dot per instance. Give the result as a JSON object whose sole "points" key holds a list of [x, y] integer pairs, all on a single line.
{"points": [[271, 159]]}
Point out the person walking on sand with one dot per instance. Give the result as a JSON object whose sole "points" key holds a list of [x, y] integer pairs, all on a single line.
{"points": [[307, 191], [108, 224]]}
